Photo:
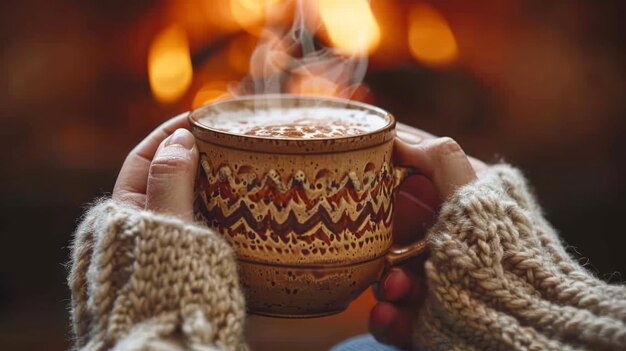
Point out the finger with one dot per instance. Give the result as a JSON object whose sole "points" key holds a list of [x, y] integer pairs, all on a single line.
{"points": [[415, 209], [400, 331], [411, 219], [131, 183], [423, 190], [390, 325], [397, 285], [412, 135], [441, 160], [382, 316], [171, 176]]}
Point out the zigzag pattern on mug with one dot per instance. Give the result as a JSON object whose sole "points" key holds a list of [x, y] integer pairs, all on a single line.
{"points": [[323, 209], [228, 194], [319, 225]]}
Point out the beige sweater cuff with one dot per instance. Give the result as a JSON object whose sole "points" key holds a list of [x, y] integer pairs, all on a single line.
{"points": [[499, 278], [142, 281]]}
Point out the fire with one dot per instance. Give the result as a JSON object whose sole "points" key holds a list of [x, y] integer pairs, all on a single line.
{"points": [[351, 25], [210, 92], [431, 40], [250, 14], [218, 13], [169, 64]]}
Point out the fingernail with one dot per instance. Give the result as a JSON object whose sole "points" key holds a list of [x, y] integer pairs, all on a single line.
{"points": [[451, 148], [387, 281], [181, 137]]}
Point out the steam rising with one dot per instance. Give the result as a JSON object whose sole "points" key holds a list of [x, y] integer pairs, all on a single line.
{"points": [[289, 60]]}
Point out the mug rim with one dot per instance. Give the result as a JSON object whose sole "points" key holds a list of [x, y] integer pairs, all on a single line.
{"points": [[292, 145]]}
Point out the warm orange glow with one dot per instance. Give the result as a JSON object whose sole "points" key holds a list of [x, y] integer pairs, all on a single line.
{"points": [[393, 51], [250, 14], [361, 93], [313, 85], [350, 24], [169, 64], [197, 26], [219, 14], [431, 40], [269, 57], [210, 92], [239, 52]]}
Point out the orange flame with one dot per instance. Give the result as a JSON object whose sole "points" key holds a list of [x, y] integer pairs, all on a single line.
{"points": [[431, 40], [210, 92], [250, 14], [169, 64], [351, 25], [218, 13]]}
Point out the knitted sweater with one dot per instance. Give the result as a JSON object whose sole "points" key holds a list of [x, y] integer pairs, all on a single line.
{"points": [[498, 279], [142, 281]]}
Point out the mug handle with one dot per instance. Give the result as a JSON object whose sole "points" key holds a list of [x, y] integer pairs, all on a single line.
{"points": [[398, 254]]}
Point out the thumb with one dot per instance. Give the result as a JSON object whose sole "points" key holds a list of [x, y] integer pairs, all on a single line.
{"points": [[170, 188], [441, 160]]}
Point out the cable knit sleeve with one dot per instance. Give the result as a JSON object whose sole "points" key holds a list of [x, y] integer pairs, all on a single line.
{"points": [[141, 281], [500, 279]]}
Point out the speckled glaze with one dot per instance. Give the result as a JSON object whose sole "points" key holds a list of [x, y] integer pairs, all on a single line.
{"points": [[310, 219]]}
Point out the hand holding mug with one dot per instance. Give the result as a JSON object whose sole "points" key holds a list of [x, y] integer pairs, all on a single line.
{"points": [[158, 174], [444, 167]]}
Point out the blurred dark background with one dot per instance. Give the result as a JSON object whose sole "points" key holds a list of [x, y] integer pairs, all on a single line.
{"points": [[540, 84]]}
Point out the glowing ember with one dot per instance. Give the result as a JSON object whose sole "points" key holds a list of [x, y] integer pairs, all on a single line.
{"points": [[169, 64], [350, 24], [431, 40], [210, 92]]}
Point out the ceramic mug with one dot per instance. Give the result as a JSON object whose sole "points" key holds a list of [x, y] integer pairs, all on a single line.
{"points": [[310, 220]]}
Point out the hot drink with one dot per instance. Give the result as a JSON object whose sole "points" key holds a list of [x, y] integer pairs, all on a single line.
{"points": [[305, 195], [297, 123]]}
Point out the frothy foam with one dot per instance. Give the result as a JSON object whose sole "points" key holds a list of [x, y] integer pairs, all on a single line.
{"points": [[296, 123]]}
